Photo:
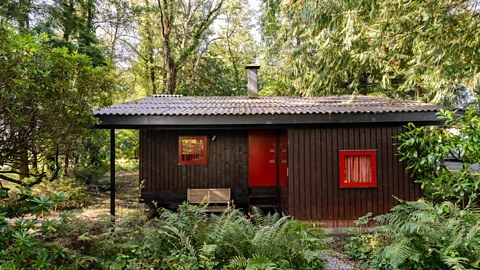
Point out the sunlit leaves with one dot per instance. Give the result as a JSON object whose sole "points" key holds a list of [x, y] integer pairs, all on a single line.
{"points": [[46, 99], [424, 149], [424, 50]]}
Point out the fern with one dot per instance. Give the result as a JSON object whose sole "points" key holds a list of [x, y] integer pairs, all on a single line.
{"points": [[457, 263], [421, 234], [191, 239], [238, 262]]}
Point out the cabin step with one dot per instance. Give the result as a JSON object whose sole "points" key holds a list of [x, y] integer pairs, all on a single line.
{"points": [[263, 196], [265, 205]]}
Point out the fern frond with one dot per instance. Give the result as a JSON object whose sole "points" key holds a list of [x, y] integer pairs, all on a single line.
{"points": [[457, 263], [238, 262], [398, 253]]}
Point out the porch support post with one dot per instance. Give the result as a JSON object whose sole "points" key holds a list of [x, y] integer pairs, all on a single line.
{"points": [[112, 172]]}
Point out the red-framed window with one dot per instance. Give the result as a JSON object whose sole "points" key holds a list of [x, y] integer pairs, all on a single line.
{"points": [[358, 168], [192, 150]]}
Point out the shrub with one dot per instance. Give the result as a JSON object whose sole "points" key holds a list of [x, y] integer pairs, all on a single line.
{"points": [[361, 247], [422, 235], [425, 149], [92, 163], [75, 193], [89, 174], [26, 243], [127, 144]]}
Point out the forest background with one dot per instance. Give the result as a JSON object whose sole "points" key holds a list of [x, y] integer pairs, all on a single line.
{"points": [[59, 59]]}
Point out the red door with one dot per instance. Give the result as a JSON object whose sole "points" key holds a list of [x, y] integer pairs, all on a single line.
{"points": [[262, 158], [283, 159]]}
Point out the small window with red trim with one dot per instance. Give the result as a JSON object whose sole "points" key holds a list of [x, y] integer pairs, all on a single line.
{"points": [[358, 168], [192, 150]]}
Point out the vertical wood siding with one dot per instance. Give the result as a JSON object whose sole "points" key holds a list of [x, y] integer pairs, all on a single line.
{"points": [[313, 168], [227, 162]]}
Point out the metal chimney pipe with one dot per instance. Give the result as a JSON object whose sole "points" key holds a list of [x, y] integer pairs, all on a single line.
{"points": [[252, 80]]}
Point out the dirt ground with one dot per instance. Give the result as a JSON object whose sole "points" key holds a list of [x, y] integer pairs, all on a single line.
{"points": [[127, 196]]}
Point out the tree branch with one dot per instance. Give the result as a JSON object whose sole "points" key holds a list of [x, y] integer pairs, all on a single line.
{"points": [[9, 179], [197, 32]]}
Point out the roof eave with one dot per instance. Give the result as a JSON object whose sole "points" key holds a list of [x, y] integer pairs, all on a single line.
{"points": [[220, 121]]}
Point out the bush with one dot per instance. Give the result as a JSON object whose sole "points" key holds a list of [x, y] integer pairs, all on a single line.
{"points": [[27, 243], [75, 193], [127, 141], [425, 149], [89, 174], [422, 235], [93, 162]]}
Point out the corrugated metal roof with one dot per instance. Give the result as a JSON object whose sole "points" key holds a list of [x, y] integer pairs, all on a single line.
{"points": [[165, 105]]}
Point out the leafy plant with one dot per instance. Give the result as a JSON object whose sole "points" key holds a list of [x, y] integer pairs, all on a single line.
{"points": [[191, 239], [422, 235], [41, 205], [381, 47], [425, 149], [92, 163], [25, 243], [66, 193], [46, 102]]}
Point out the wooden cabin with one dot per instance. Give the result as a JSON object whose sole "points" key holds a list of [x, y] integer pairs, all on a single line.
{"points": [[329, 159]]}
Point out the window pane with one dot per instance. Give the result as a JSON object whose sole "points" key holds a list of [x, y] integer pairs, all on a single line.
{"points": [[358, 169], [192, 149]]}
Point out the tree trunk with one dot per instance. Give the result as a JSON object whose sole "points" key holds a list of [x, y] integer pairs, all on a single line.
{"points": [[24, 164], [68, 13], [418, 93], [171, 78], [65, 165], [34, 159], [152, 76]]}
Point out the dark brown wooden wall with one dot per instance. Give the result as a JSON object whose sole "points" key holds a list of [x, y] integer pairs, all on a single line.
{"points": [[313, 169], [227, 162]]}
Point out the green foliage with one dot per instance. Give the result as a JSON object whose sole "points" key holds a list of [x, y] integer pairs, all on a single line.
{"points": [[190, 239], [75, 194], [26, 243], [425, 149], [46, 101], [361, 247], [127, 144], [423, 50], [92, 160], [422, 235], [206, 53]]}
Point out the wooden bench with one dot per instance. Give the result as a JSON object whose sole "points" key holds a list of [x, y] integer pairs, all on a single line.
{"points": [[210, 196]]}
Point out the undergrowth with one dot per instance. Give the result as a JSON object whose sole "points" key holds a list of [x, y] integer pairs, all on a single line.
{"points": [[421, 235], [191, 239], [186, 239]]}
